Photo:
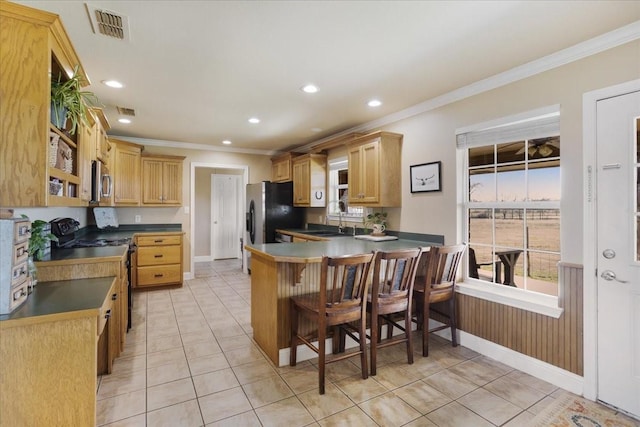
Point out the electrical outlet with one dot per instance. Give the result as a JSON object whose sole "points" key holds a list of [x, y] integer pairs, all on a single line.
{"points": [[186, 209], [137, 219]]}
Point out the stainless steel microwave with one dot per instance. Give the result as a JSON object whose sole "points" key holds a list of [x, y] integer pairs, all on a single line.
{"points": [[101, 183]]}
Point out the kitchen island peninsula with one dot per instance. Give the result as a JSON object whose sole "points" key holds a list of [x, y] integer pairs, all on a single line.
{"points": [[282, 270]]}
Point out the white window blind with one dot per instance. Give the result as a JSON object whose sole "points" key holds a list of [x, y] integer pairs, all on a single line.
{"points": [[516, 128]]}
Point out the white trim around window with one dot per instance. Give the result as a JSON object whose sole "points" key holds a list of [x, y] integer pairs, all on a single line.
{"points": [[513, 297], [492, 132]]}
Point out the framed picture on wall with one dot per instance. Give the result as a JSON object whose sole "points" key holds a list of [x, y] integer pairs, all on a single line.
{"points": [[425, 177]]}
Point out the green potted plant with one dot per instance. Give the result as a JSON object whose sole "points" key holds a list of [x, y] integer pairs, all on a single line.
{"points": [[377, 221], [38, 240], [69, 101]]}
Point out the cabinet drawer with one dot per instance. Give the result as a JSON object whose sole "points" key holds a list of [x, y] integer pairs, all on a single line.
{"points": [[107, 309], [19, 274], [20, 252], [159, 255], [158, 240], [151, 276]]}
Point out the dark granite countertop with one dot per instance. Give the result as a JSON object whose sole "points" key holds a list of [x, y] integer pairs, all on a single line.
{"points": [[78, 254], [94, 233], [125, 231], [306, 252], [61, 298]]}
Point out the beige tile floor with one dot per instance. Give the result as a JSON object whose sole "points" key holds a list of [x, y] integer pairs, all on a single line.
{"points": [[190, 361]]}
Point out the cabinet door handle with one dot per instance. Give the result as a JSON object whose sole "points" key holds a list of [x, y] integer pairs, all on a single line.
{"points": [[158, 241], [158, 256], [107, 314], [114, 297], [158, 275]]}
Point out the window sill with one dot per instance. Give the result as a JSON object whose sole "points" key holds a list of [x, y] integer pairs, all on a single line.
{"points": [[530, 301]]}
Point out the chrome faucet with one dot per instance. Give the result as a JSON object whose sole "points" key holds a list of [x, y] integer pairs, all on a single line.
{"points": [[340, 225]]}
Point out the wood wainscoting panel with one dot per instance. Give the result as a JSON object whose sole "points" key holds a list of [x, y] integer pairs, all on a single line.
{"points": [[558, 342], [293, 282]]}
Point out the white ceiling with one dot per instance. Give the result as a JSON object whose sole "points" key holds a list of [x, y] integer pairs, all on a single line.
{"points": [[196, 71]]}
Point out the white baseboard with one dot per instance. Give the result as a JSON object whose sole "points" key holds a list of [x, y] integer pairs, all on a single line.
{"points": [[187, 275], [539, 369], [203, 258]]}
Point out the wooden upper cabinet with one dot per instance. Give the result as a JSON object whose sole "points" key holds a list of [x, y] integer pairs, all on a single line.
{"points": [[282, 167], [162, 180], [34, 46], [101, 141], [126, 173], [310, 180], [87, 142], [375, 170]]}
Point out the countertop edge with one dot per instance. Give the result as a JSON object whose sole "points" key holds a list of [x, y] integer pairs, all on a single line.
{"points": [[67, 314]]}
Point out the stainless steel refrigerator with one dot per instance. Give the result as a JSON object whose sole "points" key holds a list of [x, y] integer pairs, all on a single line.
{"points": [[270, 206]]}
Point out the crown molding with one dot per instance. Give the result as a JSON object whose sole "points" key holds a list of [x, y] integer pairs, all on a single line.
{"points": [[582, 50], [193, 146]]}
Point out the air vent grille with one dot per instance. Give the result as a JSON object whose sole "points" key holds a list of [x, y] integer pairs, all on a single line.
{"points": [[108, 23], [123, 111]]}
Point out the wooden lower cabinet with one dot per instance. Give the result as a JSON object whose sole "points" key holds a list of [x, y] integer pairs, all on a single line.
{"points": [[48, 363], [158, 260], [111, 342]]}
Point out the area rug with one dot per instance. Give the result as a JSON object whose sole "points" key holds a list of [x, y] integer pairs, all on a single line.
{"points": [[574, 411]]}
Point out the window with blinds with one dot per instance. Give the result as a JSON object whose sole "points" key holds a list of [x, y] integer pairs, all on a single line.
{"points": [[512, 201]]}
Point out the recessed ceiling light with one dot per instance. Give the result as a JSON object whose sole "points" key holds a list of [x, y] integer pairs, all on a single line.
{"points": [[226, 142], [310, 88], [254, 120], [374, 103], [125, 121], [113, 83]]}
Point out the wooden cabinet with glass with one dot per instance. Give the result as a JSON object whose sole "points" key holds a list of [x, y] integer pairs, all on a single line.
{"points": [[375, 170], [126, 172], [38, 162], [310, 180], [281, 167], [162, 180]]}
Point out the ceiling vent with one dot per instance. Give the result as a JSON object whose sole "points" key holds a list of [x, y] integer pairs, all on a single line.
{"points": [[108, 23], [123, 111]]}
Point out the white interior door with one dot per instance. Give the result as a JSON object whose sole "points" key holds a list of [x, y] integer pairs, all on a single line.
{"points": [[225, 214], [618, 262]]}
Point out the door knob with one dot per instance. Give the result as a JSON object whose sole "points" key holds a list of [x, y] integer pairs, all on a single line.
{"points": [[610, 275]]}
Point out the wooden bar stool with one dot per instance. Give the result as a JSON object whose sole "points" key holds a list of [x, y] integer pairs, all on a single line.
{"points": [[390, 299], [437, 285], [340, 301]]}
